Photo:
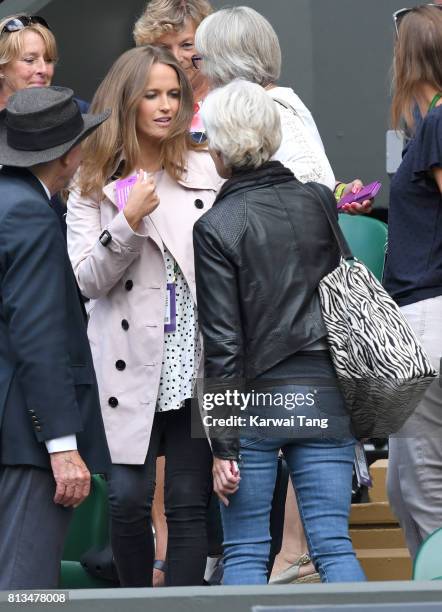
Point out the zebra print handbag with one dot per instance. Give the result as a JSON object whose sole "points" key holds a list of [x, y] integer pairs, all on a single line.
{"points": [[383, 370]]}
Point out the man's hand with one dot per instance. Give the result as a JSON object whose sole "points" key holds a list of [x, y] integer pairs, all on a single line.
{"points": [[225, 478], [72, 478]]}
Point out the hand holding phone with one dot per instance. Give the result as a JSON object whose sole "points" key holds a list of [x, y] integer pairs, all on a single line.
{"points": [[142, 199], [367, 193]]}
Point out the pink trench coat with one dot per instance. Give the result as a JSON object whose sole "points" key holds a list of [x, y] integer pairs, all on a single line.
{"points": [[126, 281]]}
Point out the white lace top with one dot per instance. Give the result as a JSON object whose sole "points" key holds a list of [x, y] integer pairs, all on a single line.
{"points": [[301, 149], [182, 348]]}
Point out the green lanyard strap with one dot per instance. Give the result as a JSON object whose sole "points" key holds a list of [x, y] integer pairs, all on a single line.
{"points": [[434, 101]]}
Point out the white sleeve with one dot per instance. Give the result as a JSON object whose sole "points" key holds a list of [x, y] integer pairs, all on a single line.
{"points": [[301, 153], [65, 443]]}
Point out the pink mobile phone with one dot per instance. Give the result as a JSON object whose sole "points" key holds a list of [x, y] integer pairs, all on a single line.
{"points": [[122, 190], [367, 193]]}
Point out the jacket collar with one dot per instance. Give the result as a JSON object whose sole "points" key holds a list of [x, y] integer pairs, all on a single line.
{"points": [[27, 176], [270, 173]]}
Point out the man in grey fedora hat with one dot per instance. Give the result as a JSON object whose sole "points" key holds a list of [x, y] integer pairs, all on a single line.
{"points": [[51, 431]]}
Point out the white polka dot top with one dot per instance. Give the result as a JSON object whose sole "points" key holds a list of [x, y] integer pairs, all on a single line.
{"points": [[182, 348]]}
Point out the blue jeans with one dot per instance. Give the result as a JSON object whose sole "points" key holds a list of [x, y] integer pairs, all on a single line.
{"points": [[321, 467], [321, 472]]}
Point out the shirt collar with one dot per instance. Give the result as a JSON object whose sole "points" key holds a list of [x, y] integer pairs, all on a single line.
{"points": [[48, 193]]}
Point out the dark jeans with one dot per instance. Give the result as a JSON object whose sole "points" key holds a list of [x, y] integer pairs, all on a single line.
{"points": [[187, 488]]}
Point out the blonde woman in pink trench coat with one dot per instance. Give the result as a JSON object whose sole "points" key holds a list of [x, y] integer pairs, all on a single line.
{"points": [[125, 261]]}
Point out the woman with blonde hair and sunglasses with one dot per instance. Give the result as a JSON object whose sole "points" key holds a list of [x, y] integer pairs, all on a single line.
{"points": [[28, 53], [172, 24], [133, 257], [413, 273]]}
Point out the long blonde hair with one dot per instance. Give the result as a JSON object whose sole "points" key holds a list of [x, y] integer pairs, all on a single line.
{"points": [[11, 43], [417, 61], [165, 16], [116, 140]]}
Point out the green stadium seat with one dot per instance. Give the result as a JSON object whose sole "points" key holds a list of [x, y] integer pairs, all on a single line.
{"points": [[74, 576], [367, 238], [428, 562], [89, 528]]}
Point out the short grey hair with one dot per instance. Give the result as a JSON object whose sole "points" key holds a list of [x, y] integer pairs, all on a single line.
{"points": [[238, 43], [242, 123]]}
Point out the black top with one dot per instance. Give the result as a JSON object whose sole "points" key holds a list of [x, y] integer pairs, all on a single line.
{"points": [[414, 263]]}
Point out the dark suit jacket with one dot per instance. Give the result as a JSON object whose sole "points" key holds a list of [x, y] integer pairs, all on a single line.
{"points": [[47, 380]]}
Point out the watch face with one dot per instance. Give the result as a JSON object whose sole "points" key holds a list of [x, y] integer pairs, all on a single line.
{"points": [[105, 238]]}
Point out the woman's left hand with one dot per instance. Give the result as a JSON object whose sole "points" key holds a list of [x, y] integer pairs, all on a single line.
{"points": [[225, 478], [355, 208]]}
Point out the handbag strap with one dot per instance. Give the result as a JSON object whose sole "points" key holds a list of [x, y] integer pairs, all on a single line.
{"points": [[319, 190]]}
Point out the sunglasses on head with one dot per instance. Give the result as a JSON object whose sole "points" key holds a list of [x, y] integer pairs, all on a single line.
{"points": [[400, 14], [22, 22]]}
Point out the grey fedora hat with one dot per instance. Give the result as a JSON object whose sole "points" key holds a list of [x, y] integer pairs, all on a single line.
{"points": [[40, 124]]}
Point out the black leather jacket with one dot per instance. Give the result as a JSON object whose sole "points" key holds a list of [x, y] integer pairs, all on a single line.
{"points": [[260, 253]]}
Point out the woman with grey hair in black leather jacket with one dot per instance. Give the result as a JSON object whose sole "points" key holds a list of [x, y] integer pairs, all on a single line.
{"points": [[260, 254]]}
